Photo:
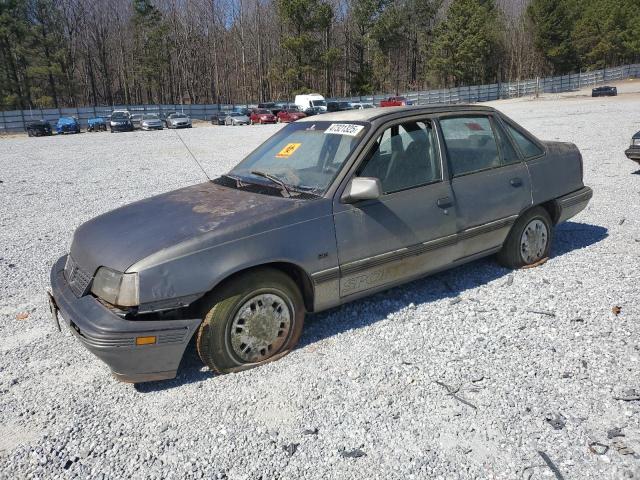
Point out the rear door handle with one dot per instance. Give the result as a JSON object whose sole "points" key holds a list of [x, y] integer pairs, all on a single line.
{"points": [[516, 182], [444, 202]]}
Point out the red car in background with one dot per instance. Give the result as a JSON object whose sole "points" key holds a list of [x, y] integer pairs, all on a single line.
{"points": [[290, 115], [261, 115], [395, 102]]}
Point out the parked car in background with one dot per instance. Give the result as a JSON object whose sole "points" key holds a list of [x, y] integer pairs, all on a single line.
{"points": [[96, 124], [120, 121], [604, 91], [244, 110], [136, 119], [338, 106], [633, 152], [311, 103], [328, 210], [38, 128], [271, 106], [261, 115], [290, 115], [178, 120], [218, 117], [361, 106], [236, 118], [151, 121], [395, 102], [67, 125]]}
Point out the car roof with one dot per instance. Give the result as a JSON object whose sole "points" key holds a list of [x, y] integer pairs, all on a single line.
{"points": [[373, 113]]}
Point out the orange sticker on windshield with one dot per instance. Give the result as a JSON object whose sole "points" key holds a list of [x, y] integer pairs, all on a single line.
{"points": [[288, 150]]}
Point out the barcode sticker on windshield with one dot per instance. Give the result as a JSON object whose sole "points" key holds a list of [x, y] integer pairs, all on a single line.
{"points": [[350, 129]]}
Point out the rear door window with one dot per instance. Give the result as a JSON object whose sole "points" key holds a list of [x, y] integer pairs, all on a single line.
{"points": [[471, 144]]}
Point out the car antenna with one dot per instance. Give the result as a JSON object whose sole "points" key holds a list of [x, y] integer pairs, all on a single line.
{"points": [[192, 155]]}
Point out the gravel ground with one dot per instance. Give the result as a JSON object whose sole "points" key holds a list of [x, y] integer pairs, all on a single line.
{"points": [[370, 391]]}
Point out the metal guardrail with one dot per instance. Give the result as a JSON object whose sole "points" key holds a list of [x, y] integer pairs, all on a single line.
{"points": [[14, 121]]}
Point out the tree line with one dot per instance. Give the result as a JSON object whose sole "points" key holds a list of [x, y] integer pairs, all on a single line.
{"points": [[59, 53]]}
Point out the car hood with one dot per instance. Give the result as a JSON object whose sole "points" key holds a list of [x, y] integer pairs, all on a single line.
{"points": [[202, 215]]}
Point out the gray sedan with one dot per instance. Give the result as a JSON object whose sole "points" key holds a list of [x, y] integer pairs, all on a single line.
{"points": [[151, 121], [235, 118], [178, 120], [328, 210]]}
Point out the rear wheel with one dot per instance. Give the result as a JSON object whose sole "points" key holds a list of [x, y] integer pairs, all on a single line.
{"points": [[253, 319], [529, 240]]}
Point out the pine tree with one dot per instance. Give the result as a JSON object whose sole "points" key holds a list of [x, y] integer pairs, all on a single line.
{"points": [[553, 22], [466, 47]]}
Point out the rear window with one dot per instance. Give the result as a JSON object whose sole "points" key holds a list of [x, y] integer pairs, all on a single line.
{"points": [[528, 148]]}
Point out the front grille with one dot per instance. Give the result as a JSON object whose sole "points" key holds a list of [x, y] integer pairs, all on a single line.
{"points": [[77, 278]]}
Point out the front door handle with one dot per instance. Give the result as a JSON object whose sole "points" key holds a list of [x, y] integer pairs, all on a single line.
{"points": [[444, 202], [516, 182]]}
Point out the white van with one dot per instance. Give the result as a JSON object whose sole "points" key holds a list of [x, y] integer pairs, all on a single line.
{"points": [[311, 101]]}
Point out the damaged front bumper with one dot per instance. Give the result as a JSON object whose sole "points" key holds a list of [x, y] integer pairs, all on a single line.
{"points": [[117, 341]]}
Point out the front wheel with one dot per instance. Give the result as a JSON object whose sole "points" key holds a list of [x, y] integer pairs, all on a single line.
{"points": [[529, 240], [253, 319]]}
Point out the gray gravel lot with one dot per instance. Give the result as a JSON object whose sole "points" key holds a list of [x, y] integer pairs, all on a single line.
{"points": [[375, 377]]}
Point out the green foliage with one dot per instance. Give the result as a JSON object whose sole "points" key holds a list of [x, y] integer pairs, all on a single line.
{"points": [[553, 22], [466, 45], [608, 33], [306, 18]]}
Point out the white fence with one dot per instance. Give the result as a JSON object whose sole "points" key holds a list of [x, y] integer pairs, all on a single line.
{"points": [[14, 121]]}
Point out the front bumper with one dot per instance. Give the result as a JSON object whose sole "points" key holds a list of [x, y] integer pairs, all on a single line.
{"points": [[180, 125], [121, 128], [113, 339], [633, 153]]}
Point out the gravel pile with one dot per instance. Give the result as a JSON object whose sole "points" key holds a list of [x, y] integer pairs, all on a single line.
{"points": [[478, 372]]}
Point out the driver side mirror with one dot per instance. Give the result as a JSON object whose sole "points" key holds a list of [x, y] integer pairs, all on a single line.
{"points": [[362, 188]]}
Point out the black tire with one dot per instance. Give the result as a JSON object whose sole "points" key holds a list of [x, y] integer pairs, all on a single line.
{"points": [[221, 348], [512, 255]]}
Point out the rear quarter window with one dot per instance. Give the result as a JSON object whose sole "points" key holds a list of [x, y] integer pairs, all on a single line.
{"points": [[528, 148]]}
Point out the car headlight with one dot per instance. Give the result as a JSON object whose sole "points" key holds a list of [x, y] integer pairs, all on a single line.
{"points": [[117, 288], [636, 142]]}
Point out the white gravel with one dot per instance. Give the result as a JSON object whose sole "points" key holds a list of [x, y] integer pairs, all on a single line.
{"points": [[364, 380]]}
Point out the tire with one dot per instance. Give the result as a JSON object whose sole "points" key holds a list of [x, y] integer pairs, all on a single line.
{"points": [[220, 342], [520, 250]]}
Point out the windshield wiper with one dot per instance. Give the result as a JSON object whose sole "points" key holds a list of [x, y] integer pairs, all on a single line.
{"points": [[274, 179]]}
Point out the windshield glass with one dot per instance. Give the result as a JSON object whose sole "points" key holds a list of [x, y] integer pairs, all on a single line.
{"points": [[306, 156], [318, 103], [150, 116], [236, 114], [177, 115], [119, 116], [262, 111]]}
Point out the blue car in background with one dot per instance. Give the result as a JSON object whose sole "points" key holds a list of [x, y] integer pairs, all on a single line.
{"points": [[96, 124], [67, 125]]}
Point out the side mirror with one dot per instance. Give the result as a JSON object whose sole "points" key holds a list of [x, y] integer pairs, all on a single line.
{"points": [[362, 188]]}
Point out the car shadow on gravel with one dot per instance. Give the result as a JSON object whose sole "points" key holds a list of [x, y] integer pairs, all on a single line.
{"points": [[445, 285], [449, 284]]}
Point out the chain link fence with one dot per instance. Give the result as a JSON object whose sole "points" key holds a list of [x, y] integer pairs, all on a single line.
{"points": [[15, 121]]}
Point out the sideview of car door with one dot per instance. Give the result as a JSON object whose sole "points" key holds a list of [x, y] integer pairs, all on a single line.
{"points": [[490, 182], [410, 229]]}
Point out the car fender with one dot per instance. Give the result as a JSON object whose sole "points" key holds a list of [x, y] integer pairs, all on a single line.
{"points": [[309, 245]]}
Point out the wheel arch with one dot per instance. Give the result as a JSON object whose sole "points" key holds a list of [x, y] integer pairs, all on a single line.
{"points": [[298, 274]]}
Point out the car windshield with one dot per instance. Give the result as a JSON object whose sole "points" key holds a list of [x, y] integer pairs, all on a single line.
{"points": [[306, 156], [236, 114], [262, 111], [119, 116], [318, 103], [177, 115], [150, 116]]}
